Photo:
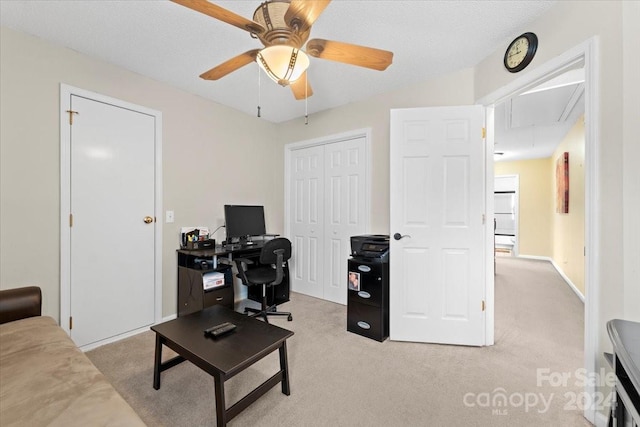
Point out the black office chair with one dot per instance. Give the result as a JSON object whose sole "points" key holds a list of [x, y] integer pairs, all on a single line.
{"points": [[273, 260]]}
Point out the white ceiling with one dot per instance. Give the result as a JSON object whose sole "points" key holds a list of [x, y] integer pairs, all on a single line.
{"points": [[532, 125], [173, 44]]}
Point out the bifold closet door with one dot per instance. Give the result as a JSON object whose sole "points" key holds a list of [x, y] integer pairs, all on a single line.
{"points": [[307, 220], [345, 206], [328, 206]]}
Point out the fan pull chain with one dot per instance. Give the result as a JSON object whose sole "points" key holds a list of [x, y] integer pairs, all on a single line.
{"points": [[258, 91], [306, 100]]}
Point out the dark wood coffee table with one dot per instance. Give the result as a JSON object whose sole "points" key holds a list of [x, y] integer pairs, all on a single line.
{"points": [[225, 356]]}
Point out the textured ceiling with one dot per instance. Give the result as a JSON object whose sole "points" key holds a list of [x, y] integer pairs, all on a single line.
{"points": [[173, 44], [532, 126]]}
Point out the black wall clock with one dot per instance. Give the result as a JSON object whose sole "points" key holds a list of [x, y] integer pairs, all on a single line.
{"points": [[520, 52]]}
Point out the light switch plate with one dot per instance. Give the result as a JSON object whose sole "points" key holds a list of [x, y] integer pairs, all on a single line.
{"points": [[169, 217]]}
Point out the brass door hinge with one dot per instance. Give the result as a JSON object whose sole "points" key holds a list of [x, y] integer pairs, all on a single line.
{"points": [[71, 113], [484, 132], [70, 220], [482, 305], [70, 322]]}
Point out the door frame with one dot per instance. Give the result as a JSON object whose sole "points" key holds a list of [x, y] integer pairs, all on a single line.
{"points": [[324, 140], [66, 91], [589, 53]]}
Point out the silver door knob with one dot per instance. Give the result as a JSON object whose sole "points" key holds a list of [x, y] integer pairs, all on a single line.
{"points": [[399, 236]]}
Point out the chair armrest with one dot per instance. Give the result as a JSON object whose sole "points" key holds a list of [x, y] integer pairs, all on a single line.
{"points": [[20, 303], [241, 265]]}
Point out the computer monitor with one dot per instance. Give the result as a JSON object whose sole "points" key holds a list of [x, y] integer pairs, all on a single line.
{"points": [[244, 221]]}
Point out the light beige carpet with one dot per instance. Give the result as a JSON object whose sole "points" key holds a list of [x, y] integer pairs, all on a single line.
{"points": [[342, 379]]}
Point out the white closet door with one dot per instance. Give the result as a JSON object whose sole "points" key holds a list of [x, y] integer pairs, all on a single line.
{"points": [[307, 220], [345, 172], [328, 205]]}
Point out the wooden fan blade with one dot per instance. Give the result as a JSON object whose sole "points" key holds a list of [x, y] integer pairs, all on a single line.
{"points": [[352, 54], [301, 88], [303, 13], [231, 65], [222, 14]]}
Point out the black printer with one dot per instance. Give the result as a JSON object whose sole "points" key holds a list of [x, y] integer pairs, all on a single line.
{"points": [[370, 246]]}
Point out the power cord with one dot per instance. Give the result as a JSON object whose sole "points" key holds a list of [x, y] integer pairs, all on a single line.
{"points": [[214, 231]]}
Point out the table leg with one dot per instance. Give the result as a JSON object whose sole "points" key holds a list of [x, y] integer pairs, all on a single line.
{"points": [[221, 412], [284, 367], [157, 363]]}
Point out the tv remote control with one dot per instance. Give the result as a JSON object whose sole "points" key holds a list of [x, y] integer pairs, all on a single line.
{"points": [[220, 329]]}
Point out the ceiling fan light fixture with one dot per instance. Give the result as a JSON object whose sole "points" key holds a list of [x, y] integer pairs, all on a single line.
{"points": [[283, 64]]}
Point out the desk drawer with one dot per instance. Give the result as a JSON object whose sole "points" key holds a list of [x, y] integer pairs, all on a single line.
{"points": [[222, 296]]}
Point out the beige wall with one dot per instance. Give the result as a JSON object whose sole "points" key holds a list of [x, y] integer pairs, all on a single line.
{"points": [[234, 154], [568, 229], [535, 204]]}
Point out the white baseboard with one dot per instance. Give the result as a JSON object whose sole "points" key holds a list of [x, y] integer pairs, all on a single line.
{"points": [[560, 272], [110, 340], [170, 317], [123, 336], [540, 258]]}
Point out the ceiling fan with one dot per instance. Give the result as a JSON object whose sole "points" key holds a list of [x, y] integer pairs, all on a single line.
{"points": [[283, 27]]}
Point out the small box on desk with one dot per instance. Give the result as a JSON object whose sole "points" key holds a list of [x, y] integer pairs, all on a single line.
{"points": [[192, 238], [200, 244]]}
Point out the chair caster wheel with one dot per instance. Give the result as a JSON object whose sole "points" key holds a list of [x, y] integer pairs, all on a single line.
{"points": [[289, 318]]}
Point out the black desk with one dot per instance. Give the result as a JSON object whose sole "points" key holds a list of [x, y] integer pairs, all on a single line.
{"points": [[225, 356], [625, 337], [192, 264]]}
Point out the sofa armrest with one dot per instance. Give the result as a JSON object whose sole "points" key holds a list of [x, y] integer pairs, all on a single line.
{"points": [[19, 303]]}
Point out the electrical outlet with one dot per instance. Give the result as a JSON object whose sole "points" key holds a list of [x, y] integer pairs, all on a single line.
{"points": [[169, 217]]}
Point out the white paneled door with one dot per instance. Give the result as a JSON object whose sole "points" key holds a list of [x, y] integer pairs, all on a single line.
{"points": [[328, 201], [112, 180], [307, 220], [345, 179], [437, 256]]}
